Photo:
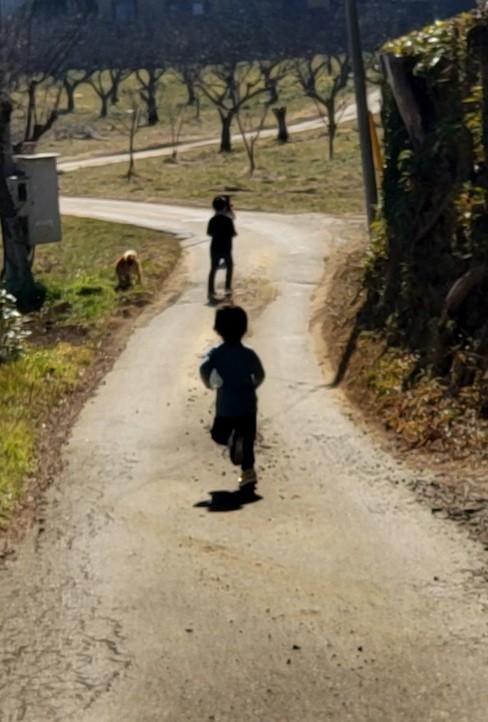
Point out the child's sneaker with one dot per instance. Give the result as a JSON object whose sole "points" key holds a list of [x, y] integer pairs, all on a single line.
{"points": [[236, 448], [248, 479]]}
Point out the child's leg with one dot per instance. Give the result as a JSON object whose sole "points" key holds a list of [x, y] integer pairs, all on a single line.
{"points": [[222, 428], [246, 429], [229, 264], [214, 264]]}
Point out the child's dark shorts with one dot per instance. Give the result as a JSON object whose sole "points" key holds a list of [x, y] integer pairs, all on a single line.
{"points": [[223, 427], [240, 426]]}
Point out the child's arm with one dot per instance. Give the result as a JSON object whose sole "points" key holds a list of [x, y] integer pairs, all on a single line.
{"points": [[257, 373], [209, 374], [206, 369]]}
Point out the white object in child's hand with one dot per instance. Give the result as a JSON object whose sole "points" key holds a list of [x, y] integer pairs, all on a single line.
{"points": [[215, 379]]}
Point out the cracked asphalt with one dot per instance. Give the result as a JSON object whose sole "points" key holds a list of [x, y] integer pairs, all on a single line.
{"points": [[333, 597]]}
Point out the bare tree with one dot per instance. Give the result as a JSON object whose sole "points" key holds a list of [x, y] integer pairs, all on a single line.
{"points": [[250, 129], [135, 116], [47, 45], [231, 86], [189, 74], [129, 122], [71, 80], [177, 115], [106, 82], [324, 78], [149, 79]]}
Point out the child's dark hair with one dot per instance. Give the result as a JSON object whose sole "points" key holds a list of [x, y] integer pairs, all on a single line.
{"points": [[231, 323], [219, 203]]}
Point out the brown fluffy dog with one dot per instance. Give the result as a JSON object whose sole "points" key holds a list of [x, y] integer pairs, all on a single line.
{"points": [[128, 269]]}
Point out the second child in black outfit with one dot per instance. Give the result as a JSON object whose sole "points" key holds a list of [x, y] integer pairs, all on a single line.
{"points": [[221, 230]]}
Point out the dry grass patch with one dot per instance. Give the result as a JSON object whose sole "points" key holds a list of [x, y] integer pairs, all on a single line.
{"points": [[292, 177]]}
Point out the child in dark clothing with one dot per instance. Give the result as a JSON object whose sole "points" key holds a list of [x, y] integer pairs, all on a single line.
{"points": [[235, 371], [221, 229]]}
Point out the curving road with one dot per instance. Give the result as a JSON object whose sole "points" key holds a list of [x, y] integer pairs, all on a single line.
{"points": [[334, 597]]}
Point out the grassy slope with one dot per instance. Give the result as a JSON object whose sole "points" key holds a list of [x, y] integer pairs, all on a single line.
{"points": [[66, 335]]}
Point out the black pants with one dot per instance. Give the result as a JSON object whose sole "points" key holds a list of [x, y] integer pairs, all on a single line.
{"points": [[215, 258], [244, 426]]}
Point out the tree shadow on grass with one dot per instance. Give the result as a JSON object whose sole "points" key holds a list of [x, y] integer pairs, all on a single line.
{"points": [[224, 501]]}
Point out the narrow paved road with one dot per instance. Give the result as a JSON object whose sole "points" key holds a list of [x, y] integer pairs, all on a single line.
{"points": [[334, 597]]}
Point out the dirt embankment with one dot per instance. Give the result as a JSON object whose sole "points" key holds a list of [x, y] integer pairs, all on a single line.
{"points": [[424, 424]]}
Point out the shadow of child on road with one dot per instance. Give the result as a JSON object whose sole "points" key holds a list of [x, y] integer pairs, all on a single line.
{"points": [[223, 501]]}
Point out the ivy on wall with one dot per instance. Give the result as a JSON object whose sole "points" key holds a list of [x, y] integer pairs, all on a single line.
{"points": [[427, 277]]}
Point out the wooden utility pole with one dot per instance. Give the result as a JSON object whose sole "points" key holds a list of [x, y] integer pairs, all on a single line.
{"points": [[369, 177]]}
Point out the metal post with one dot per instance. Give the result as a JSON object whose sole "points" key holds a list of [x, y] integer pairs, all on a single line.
{"points": [[369, 178]]}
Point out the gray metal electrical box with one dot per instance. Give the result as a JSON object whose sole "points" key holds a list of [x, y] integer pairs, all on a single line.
{"points": [[35, 192]]}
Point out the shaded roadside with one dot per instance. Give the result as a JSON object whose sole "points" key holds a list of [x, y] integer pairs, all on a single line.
{"points": [[457, 489]]}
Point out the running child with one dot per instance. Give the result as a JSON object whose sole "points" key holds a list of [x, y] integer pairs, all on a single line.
{"points": [[235, 372]]}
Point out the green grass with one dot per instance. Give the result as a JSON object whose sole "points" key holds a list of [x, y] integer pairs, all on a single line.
{"points": [[81, 305], [79, 272], [293, 177], [30, 388]]}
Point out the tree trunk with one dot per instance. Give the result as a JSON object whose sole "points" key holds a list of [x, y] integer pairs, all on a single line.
{"points": [[116, 78], [332, 127], [190, 88], [31, 110], [272, 88], [332, 135], [152, 112], [280, 114], [225, 140], [17, 272], [252, 163], [148, 94], [132, 135], [152, 105], [70, 96], [104, 106]]}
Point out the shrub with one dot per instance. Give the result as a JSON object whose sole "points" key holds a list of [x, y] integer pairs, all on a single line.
{"points": [[12, 328]]}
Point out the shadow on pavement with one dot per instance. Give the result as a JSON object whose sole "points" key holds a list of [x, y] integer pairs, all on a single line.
{"points": [[222, 501]]}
